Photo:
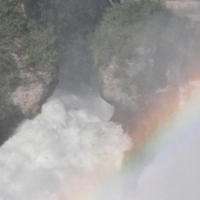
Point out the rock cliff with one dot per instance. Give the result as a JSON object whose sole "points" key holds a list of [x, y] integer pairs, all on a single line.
{"points": [[31, 90], [35, 86], [28, 64], [154, 73]]}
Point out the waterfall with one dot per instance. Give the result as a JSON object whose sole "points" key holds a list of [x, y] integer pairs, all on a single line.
{"points": [[71, 151], [173, 172], [64, 152]]}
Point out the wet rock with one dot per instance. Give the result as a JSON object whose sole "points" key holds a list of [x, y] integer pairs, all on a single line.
{"points": [[112, 88], [25, 98], [34, 89]]}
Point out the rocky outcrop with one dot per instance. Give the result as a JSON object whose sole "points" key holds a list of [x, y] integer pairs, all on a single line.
{"points": [[35, 86], [113, 90], [31, 90], [149, 81], [128, 88]]}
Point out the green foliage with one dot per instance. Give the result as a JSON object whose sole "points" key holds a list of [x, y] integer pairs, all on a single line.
{"points": [[67, 17], [45, 33], [128, 26], [39, 46], [45, 28], [12, 79], [7, 63], [5, 110], [12, 25], [60, 32]]}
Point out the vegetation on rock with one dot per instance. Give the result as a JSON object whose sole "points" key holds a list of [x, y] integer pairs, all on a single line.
{"points": [[141, 31], [123, 27], [49, 33], [41, 35]]}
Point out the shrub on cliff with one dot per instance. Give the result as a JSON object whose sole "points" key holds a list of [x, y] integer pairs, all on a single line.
{"points": [[12, 25], [145, 23], [46, 30]]}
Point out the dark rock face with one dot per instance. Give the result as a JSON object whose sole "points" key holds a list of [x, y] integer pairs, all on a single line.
{"points": [[8, 126], [26, 98], [30, 95], [162, 60], [112, 89]]}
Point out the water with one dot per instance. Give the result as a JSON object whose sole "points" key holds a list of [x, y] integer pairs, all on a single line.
{"points": [[173, 169], [61, 151], [71, 151]]}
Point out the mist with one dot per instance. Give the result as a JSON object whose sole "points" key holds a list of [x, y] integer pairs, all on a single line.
{"points": [[174, 173], [123, 122]]}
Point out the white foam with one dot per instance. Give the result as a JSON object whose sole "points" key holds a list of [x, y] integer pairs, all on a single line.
{"points": [[52, 154], [91, 102]]}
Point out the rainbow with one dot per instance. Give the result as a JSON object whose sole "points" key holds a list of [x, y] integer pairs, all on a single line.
{"points": [[170, 123], [175, 124], [160, 127]]}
